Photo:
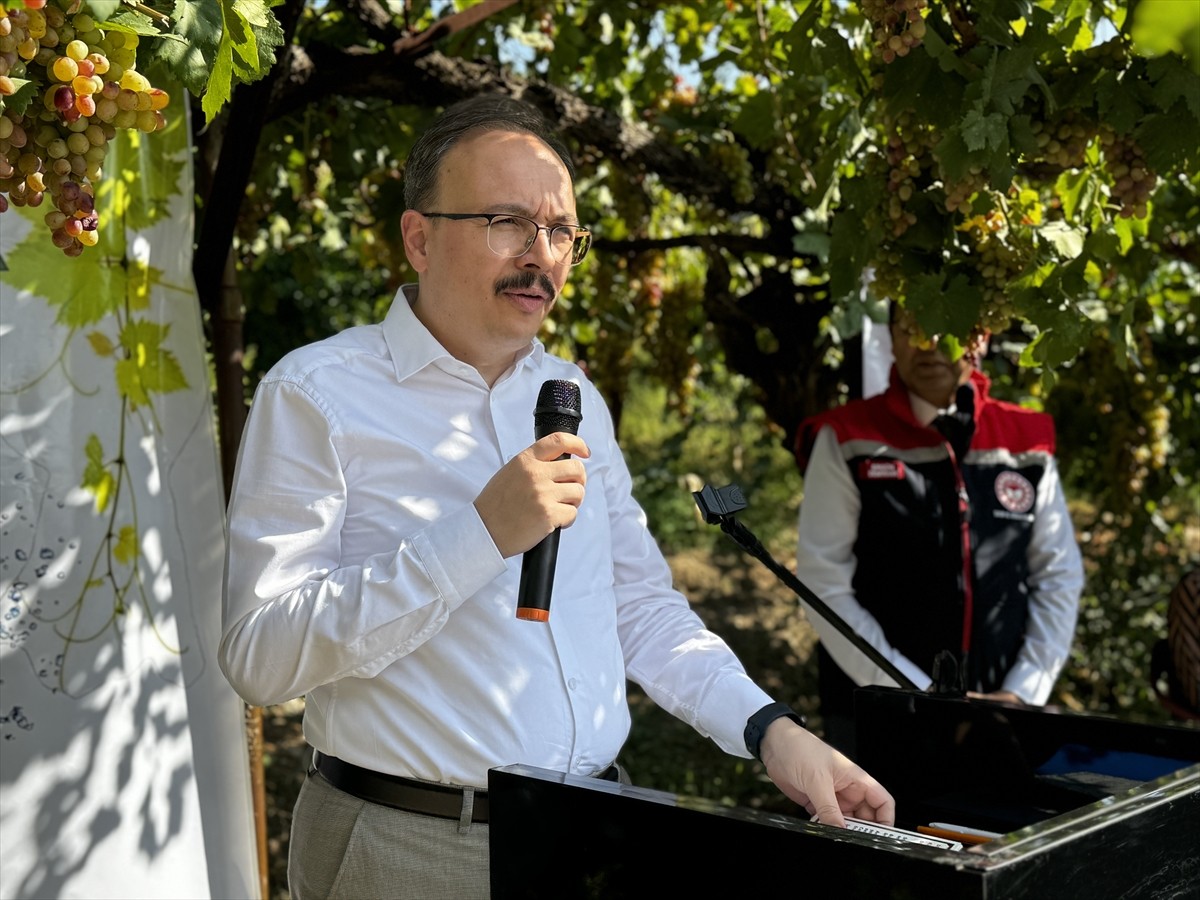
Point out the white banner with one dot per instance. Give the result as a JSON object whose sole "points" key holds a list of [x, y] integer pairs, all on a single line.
{"points": [[123, 762]]}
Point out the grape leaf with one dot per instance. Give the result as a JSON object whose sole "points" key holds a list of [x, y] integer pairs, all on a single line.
{"points": [[96, 478], [147, 367], [84, 292], [756, 121], [125, 550], [220, 79], [945, 55], [127, 21], [1078, 33], [852, 245], [1021, 136], [1057, 345], [1066, 240], [1115, 105], [101, 344], [941, 308], [953, 155], [1170, 140], [1129, 230], [799, 42], [1078, 191], [992, 20], [267, 33], [1014, 72], [1173, 82], [102, 10], [201, 26], [18, 101]]}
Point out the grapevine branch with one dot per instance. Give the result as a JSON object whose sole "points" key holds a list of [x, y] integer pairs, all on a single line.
{"points": [[734, 243], [793, 381], [161, 18], [962, 24]]}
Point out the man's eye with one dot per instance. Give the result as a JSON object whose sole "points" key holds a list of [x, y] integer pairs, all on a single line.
{"points": [[506, 222]]}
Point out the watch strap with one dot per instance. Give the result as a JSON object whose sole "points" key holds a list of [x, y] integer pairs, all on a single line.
{"points": [[756, 725]]}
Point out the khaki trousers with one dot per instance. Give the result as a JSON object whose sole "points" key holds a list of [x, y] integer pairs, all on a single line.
{"points": [[344, 847]]}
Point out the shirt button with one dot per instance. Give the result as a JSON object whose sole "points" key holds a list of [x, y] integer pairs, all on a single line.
{"points": [[572, 683]]}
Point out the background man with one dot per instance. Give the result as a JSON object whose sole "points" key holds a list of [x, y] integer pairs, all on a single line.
{"points": [[933, 520], [385, 493]]}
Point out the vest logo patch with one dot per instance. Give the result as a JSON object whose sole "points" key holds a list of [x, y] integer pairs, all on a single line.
{"points": [[1015, 492], [881, 470]]}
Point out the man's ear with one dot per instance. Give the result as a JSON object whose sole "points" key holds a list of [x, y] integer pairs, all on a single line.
{"points": [[977, 348], [980, 345], [415, 228]]}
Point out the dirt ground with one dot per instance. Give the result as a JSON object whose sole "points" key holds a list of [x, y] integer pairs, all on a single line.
{"points": [[737, 596]]}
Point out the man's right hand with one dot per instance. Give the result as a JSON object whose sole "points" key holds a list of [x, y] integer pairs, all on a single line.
{"points": [[534, 493]]}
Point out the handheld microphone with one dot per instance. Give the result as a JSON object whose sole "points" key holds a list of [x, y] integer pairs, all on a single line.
{"points": [[557, 410]]}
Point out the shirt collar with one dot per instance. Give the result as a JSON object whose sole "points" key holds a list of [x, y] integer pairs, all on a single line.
{"points": [[413, 347], [924, 411]]}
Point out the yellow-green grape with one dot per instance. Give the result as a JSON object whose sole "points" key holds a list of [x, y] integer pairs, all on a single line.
{"points": [[1133, 179]]}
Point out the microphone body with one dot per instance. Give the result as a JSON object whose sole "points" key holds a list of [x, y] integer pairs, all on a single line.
{"points": [[557, 410]]}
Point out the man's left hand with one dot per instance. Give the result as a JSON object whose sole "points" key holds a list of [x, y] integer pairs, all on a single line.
{"points": [[821, 779]]}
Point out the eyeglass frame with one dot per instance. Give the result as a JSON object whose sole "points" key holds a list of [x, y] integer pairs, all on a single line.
{"points": [[580, 232]]}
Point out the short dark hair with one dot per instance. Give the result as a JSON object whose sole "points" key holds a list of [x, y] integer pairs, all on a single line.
{"points": [[483, 112]]}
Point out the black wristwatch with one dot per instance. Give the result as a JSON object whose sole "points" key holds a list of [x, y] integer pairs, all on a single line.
{"points": [[756, 725]]}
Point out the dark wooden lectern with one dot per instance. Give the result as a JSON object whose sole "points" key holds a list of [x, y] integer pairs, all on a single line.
{"points": [[1088, 807]]}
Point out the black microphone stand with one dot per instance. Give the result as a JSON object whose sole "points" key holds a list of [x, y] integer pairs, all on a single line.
{"points": [[719, 506]]}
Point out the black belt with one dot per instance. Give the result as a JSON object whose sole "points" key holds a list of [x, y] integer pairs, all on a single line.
{"points": [[408, 794]]}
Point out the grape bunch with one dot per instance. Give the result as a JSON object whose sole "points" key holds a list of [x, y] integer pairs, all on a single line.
{"points": [[1063, 140], [907, 155], [959, 193], [897, 26], [86, 86], [999, 257], [732, 158], [1133, 179]]}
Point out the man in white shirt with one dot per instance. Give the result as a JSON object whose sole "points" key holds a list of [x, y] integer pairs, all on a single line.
{"points": [[385, 492]]}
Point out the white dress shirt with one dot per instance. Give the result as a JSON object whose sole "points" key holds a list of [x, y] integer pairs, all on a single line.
{"points": [[826, 563], [360, 575]]}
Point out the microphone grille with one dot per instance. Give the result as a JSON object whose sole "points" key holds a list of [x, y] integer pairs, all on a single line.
{"points": [[557, 407]]}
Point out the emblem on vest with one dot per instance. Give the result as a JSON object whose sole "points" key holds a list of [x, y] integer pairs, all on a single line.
{"points": [[881, 470], [1014, 492]]}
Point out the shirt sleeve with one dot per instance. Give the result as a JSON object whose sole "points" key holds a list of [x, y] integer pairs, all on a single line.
{"points": [[1055, 582], [296, 614], [683, 667], [825, 563]]}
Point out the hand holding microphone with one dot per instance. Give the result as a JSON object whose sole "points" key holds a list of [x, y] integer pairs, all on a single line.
{"points": [[557, 410]]}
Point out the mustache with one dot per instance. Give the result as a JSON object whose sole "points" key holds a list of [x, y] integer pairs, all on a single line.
{"points": [[524, 281]]}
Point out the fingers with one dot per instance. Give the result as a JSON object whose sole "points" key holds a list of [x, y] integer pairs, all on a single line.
{"points": [[552, 446], [538, 490], [877, 804], [829, 814], [822, 780]]}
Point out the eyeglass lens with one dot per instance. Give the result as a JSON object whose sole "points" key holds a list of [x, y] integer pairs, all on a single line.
{"points": [[513, 236]]}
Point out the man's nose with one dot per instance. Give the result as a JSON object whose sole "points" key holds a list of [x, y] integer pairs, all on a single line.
{"points": [[540, 253]]}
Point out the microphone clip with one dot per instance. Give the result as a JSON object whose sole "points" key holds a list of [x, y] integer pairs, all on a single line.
{"points": [[719, 504]]}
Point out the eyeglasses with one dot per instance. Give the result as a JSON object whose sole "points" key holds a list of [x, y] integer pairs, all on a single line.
{"points": [[511, 236]]}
